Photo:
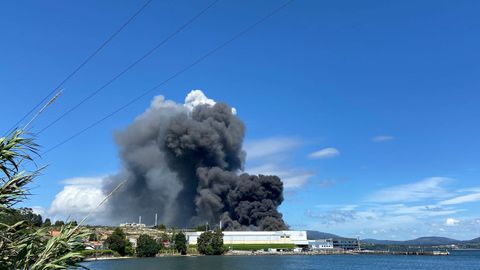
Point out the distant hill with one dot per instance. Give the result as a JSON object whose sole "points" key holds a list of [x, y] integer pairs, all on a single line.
{"points": [[422, 241], [314, 235], [432, 241], [378, 242], [473, 241]]}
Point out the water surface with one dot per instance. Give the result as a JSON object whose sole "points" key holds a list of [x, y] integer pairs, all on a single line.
{"points": [[458, 260]]}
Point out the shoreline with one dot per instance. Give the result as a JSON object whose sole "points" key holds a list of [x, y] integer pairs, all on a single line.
{"points": [[256, 253], [132, 257], [363, 252], [107, 258]]}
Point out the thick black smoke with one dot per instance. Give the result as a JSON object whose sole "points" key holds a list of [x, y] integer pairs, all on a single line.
{"points": [[184, 163]]}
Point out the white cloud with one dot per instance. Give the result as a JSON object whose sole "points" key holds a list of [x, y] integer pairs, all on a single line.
{"points": [[270, 156], [428, 188], [419, 210], [83, 181], [462, 199], [382, 138], [451, 222], [470, 189], [325, 153], [407, 211], [266, 147], [79, 196], [39, 210], [291, 178], [197, 97], [378, 220]]}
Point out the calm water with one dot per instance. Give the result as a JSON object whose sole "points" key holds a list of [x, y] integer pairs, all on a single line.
{"points": [[460, 260]]}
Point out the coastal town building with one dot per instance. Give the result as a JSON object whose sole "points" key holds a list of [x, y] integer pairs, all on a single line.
{"points": [[133, 241], [94, 245]]}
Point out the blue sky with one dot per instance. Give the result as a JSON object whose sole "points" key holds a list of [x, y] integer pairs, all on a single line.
{"points": [[367, 109]]}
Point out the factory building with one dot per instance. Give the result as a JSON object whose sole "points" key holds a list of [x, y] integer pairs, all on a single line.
{"points": [[134, 225], [298, 238]]}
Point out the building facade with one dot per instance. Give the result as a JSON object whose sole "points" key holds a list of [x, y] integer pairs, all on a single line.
{"points": [[298, 238], [320, 244]]}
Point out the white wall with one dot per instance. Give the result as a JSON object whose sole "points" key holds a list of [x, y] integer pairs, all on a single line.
{"points": [[257, 237]]}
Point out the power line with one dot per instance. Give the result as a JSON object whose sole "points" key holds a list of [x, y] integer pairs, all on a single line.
{"points": [[178, 73], [90, 57], [148, 53]]}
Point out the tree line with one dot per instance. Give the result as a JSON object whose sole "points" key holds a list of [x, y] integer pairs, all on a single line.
{"points": [[208, 243], [28, 216]]}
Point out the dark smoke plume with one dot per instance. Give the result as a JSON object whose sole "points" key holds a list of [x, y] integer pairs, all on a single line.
{"points": [[185, 163]]}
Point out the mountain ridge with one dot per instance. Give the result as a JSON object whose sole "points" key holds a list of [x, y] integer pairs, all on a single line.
{"points": [[420, 241], [314, 235]]}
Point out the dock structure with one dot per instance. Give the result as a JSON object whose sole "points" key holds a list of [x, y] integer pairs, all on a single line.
{"points": [[415, 253]]}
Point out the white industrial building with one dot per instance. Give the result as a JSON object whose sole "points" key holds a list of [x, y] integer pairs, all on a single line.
{"points": [[135, 225], [132, 225], [298, 238], [320, 244]]}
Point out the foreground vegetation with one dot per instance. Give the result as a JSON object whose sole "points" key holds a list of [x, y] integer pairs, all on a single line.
{"points": [[23, 245]]}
